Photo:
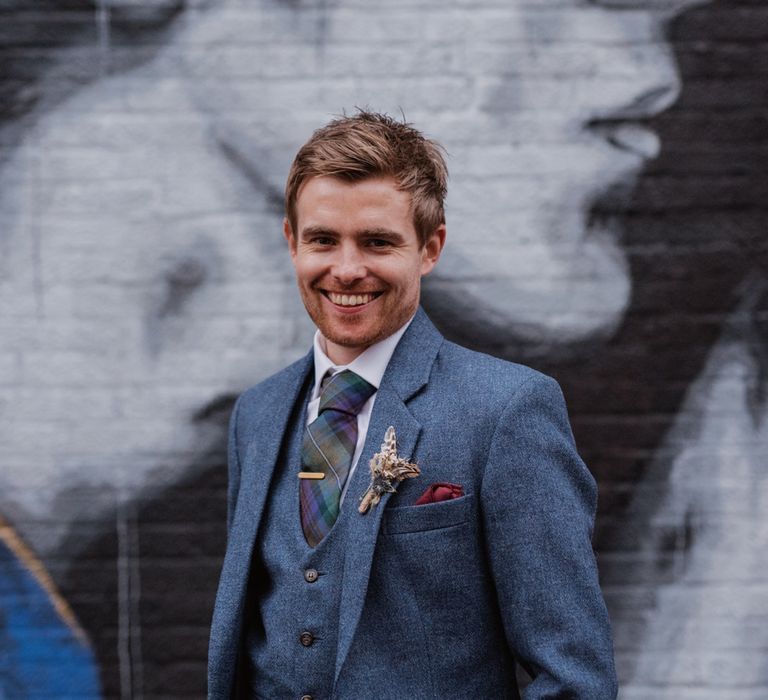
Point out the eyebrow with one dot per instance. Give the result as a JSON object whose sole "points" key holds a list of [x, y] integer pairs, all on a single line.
{"points": [[316, 231], [375, 232], [381, 232]]}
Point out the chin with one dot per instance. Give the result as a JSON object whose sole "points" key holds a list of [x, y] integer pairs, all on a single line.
{"points": [[347, 340]]}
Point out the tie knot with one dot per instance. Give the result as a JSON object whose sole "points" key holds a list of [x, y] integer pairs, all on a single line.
{"points": [[345, 392]]}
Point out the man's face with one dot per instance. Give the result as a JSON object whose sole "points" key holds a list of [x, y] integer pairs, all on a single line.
{"points": [[358, 260]]}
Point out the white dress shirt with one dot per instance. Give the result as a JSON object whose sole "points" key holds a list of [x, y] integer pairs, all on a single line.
{"points": [[370, 365]]}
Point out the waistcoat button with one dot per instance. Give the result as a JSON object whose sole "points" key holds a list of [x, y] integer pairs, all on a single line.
{"points": [[310, 575], [307, 639], [307, 697]]}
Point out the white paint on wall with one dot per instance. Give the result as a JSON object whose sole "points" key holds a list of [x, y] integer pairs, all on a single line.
{"points": [[704, 631]]}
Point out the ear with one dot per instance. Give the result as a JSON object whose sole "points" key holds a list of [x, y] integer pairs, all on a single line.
{"points": [[430, 253], [288, 233]]}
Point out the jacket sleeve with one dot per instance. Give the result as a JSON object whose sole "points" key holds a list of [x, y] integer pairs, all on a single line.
{"points": [[538, 503]]}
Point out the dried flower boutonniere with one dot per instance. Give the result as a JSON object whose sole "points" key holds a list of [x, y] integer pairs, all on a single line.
{"points": [[387, 469]]}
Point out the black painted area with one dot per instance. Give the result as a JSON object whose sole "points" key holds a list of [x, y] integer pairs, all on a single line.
{"points": [[49, 48], [178, 536], [695, 238]]}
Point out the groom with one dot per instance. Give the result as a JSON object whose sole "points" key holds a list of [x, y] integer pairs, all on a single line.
{"points": [[407, 519]]}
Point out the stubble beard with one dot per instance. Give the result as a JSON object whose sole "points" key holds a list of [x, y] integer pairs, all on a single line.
{"points": [[387, 325]]}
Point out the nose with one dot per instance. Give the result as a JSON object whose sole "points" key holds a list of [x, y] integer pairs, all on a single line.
{"points": [[348, 265], [649, 103], [642, 78]]}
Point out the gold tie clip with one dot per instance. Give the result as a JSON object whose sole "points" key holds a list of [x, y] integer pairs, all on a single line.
{"points": [[311, 475]]}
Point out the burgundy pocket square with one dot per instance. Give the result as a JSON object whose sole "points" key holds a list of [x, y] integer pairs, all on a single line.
{"points": [[441, 491]]}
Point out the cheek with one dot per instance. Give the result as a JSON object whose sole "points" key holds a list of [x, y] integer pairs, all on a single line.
{"points": [[405, 270], [306, 270], [416, 271]]}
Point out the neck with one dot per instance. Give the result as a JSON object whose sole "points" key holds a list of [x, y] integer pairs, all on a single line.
{"points": [[339, 354]]}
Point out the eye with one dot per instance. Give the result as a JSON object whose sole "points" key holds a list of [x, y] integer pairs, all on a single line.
{"points": [[321, 240], [379, 243]]}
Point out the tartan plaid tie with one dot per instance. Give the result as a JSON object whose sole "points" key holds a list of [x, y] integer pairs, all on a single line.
{"points": [[329, 443]]}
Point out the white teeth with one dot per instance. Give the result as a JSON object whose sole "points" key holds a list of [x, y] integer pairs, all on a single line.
{"points": [[350, 299]]}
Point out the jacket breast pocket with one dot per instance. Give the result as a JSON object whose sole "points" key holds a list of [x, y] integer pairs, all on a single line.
{"points": [[431, 516]]}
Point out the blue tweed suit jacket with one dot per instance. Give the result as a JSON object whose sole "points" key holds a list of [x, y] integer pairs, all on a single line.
{"points": [[440, 600]]}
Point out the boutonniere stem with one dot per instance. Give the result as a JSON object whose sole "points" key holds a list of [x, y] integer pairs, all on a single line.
{"points": [[387, 470]]}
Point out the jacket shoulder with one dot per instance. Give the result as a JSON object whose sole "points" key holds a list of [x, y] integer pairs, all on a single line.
{"points": [[469, 371]]}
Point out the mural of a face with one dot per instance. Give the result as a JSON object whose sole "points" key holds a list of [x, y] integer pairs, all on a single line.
{"points": [[144, 253], [541, 111]]}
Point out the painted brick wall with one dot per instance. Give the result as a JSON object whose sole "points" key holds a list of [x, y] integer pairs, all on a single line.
{"points": [[606, 225]]}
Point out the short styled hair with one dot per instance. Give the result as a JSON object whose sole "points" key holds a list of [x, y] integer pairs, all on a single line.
{"points": [[368, 145]]}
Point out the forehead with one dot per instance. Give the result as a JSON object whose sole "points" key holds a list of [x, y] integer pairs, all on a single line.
{"points": [[333, 201]]}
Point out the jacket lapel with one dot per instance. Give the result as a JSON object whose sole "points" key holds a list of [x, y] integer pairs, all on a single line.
{"points": [[407, 373], [263, 451], [258, 467]]}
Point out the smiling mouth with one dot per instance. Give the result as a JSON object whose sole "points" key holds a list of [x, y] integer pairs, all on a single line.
{"points": [[351, 299]]}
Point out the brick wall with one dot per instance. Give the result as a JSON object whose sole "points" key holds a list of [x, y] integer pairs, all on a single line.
{"points": [[606, 225]]}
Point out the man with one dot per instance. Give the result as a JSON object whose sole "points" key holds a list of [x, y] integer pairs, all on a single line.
{"points": [[481, 558]]}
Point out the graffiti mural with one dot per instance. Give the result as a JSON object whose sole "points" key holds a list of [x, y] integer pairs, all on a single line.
{"points": [[684, 541], [606, 225], [43, 650]]}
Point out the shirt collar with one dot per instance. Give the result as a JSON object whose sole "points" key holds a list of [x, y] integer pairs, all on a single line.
{"points": [[369, 364]]}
